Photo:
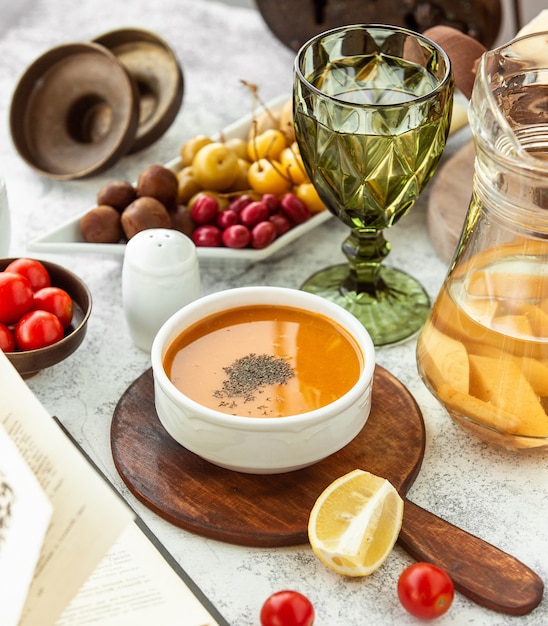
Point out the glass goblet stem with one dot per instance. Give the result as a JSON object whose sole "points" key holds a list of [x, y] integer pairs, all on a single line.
{"points": [[391, 304], [365, 251]]}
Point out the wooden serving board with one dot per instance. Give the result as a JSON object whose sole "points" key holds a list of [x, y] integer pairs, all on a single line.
{"points": [[448, 201], [273, 510], [250, 509]]}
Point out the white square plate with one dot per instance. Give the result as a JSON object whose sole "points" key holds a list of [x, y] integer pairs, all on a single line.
{"points": [[67, 238]]}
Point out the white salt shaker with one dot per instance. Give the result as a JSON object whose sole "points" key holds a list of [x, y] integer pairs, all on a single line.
{"points": [[160, 275], [5, 223]]}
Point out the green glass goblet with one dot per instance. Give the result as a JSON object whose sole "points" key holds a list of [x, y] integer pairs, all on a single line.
{"points": [[372, 110]]}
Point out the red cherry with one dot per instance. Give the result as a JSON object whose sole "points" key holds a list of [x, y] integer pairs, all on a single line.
{"points": [[236, 236], [272, 202], [207, 236], [281, 223], [205, 209], [263, 234], [254, 213], [295, 209], [238, 203], [227, 218]]}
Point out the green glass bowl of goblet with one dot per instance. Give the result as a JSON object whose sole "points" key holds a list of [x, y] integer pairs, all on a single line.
{"points": [[372, 110]]}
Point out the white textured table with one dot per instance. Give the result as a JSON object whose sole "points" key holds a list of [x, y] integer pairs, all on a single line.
{"points": [[499, 496]]}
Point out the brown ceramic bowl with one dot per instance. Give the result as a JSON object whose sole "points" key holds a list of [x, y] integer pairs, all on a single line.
{"points": [[32, 361]]}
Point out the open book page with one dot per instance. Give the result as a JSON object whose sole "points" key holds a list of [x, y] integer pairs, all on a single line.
{"points": [[135, 586], [99, 564], [88, 516], [25, 512]]}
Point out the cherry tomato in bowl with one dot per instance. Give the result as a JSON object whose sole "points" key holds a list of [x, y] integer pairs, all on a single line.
{"points": [[28, 362], [38, 329], [287, 608], [33, 270], [54, 300], [7, 340], [425, 590], [15, 297]]}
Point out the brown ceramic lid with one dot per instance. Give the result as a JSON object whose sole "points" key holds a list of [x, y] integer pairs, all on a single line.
{"points": [[74, 111], [154, 68]]}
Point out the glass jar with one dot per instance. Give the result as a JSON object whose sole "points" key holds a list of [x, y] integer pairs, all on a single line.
{"points": [[483, 351]]}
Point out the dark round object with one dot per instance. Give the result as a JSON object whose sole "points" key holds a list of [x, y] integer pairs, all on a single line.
{"points": [[117, 194], [182, 221], [102, 224], [32, 361], [143, 213], [74, 111], [158, 181]]}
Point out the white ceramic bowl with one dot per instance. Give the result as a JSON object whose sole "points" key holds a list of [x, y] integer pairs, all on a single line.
{"points": [[261, 445]]}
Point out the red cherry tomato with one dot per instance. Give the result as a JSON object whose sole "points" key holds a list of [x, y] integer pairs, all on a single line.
{"points": [[287, 608], [38, 329], [7, 340], [34, 271], [425, 590], [15, 297], [56, 301]]}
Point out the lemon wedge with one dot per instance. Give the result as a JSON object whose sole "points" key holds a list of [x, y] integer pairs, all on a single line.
{"points": [[355, 523]]}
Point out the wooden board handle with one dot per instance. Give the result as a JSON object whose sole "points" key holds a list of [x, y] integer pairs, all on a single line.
{"points": [[479, 571]]}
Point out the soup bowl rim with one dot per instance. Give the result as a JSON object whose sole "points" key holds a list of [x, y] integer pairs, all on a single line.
{"points": [[232, 298]]}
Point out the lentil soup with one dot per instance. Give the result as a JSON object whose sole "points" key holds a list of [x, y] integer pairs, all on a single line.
{"points": [[264, 361]]}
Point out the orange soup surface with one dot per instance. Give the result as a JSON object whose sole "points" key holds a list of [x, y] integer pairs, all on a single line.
{"points": [[264, 361]]}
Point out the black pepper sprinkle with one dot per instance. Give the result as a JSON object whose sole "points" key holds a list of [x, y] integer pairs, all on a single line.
{"points": [[247, 375]]}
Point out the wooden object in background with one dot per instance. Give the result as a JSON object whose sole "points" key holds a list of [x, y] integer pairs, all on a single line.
{"points": [[449, 199], [294, 23]]}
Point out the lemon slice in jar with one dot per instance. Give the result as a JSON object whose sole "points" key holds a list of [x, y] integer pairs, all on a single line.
{"points": [[355, 523]]}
